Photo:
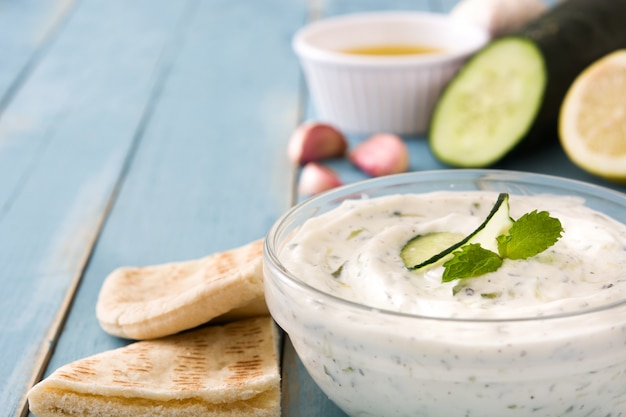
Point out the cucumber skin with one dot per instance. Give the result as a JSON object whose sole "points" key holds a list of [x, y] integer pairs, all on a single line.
{"points": [[503, 200], [571, 36]]}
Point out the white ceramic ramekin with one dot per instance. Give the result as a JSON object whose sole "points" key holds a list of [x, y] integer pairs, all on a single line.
{"points": [[370, 94]]}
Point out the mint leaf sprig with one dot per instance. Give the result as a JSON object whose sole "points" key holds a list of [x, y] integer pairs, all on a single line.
{"points": [[471, 261], [529, 235]]}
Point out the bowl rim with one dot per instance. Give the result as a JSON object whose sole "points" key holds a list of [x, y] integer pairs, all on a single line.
{"points": [[309, 52], [270, 243]]}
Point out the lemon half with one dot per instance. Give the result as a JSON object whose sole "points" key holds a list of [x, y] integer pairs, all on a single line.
{"points": [[592, 121]]}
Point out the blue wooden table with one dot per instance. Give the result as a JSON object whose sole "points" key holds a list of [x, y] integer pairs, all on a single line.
{"points": [[141, 132]]}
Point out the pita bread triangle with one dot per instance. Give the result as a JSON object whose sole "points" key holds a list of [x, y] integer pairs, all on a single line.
{"points": [[161, 300], [228, 370]]}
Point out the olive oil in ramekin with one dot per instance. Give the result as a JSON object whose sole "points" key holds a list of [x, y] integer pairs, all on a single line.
{"points": [[391, 50]]}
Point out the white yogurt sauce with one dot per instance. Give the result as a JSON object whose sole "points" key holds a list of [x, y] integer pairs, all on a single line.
{"points": [[353, 252]]}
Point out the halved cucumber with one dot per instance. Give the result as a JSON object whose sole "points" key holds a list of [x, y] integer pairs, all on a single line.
{"points": [[509, 94], [435, 248], [490, 105]]}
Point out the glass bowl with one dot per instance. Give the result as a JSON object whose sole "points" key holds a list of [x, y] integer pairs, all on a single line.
{"points": [[376, 362]]}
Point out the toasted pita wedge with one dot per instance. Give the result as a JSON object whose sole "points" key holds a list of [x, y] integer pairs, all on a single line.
{"points": [[161, 300], [228, 370]]}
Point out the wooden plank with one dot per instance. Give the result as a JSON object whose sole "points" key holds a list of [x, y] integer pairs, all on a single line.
{"points": [[64, 140], [26, 28], [301, 397], [331, 8], [210, 171], [550, 160]]}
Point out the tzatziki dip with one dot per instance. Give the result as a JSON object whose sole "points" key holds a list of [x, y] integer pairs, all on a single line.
{"points": [[538, 337], [353, 252]]}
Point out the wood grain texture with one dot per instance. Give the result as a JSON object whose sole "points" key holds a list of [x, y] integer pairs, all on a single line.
{"points": [[27, 28], [64, 140]]}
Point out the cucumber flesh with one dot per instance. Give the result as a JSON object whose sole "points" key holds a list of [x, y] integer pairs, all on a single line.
{"points": [[490, 105], [422, 248], [416, 253], [497, 223]]}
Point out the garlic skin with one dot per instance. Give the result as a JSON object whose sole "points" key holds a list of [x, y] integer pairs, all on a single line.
{"points": [[381, 154], [499, 17], [316, 178], [314, 141]]}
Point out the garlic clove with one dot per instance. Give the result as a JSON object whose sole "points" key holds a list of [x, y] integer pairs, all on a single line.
{"points": [[315, 178], [313, 141], [381, 154], [499, 17]]}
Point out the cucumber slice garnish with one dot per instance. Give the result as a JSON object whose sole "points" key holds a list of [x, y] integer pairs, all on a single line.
{"points": [[497, 223], [434, 248]]}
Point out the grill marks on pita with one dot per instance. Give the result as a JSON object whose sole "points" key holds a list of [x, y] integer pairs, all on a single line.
{"points": [[228, 370]]}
